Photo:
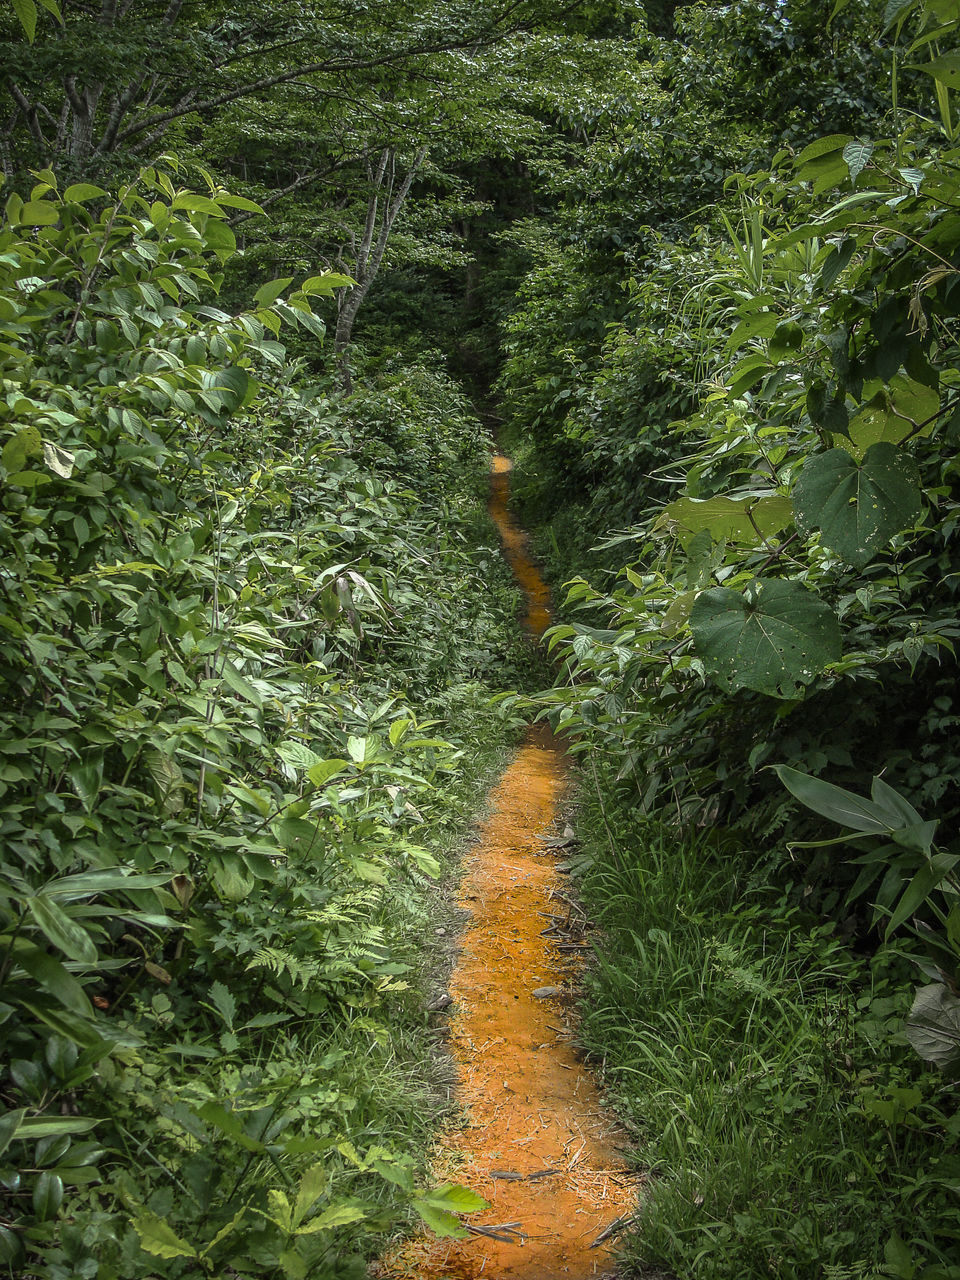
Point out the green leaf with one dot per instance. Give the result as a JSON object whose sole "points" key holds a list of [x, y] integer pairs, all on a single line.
{"points": [[192, 202], [80, 192], [787, 339], [229, 875], [837, 261], [27, 443], [857, 156], [53, 977], [895, 10], [230, 201], [9, 1124], [918, 891], [835, 803], [298, 756], [268, 293], [224, 1231], [325, 284], [761, 325], [456, 1198], [933, 1027], [238, 683], [294, 1265], [168, 778], [774, 637], [899, 812], [159, 1238], [917, 837], [47, 1196], [229, 1124], [34, 1127], [26, 12], [748, 520], [30, 479], [896, 411], [230, 385], [325, 770], [39, 213], [312, 1186], [87, 780], [440, 1221], [823, 147], [85, 884], [223, 1002], [945, 68], [337, 1215], [280, 1211], [70, 937], [858, 507]]}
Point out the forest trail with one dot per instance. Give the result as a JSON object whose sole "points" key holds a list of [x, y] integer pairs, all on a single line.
{"points": [[538, 1144]]}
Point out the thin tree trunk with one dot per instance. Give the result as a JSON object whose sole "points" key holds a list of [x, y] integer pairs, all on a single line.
{"points": [[376, 233]]}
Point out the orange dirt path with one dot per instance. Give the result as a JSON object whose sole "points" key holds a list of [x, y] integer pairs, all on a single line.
{"points": [[531, 1107], [515, 548]]}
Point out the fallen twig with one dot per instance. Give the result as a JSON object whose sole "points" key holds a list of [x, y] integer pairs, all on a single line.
{"points": [[614, 1228], [505, 1232]]}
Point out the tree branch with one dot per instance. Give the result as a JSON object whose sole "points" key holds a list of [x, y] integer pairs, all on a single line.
{"points": [[28, 110], [331, 66]]}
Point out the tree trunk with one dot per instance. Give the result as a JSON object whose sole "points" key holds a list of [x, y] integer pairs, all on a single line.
{"points": [[385, 202]]}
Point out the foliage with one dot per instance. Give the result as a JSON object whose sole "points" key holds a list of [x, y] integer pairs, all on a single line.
{"points": [[763, 424], [781, 1121], [611, 335], [915, 884], [220, 768], [817, 503]]}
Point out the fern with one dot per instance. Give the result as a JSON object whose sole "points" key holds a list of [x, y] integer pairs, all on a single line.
{"points": [[300, 972]]}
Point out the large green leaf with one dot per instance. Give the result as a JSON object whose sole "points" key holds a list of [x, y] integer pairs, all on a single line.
{"points": [[897, 410], [745, 519], [26, 12], [858, 507], [946, 69], [867, 817], [70, 937], [9, 1124], [933, 1027], [774, 637], [50, 974], [39, 213]]}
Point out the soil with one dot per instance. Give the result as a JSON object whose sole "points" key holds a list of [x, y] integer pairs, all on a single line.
{"points": [[538, 1143]]}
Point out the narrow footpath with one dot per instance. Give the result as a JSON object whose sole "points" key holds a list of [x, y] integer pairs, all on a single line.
{"points": [[537, 1144]]}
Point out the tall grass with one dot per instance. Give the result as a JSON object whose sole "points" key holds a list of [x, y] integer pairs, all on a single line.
{"points": [[783, 1127]]}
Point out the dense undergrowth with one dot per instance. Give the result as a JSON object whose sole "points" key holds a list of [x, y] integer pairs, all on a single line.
{"points": [[737, 431], [249, 630], [759, 1064], [250, 620]]}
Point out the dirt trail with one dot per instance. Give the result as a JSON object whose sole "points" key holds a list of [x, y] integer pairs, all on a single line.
{"points": [[515, 548], [538, 1144]]}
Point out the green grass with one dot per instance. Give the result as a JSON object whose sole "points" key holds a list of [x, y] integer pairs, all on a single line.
{"points": [[785, 1129]]}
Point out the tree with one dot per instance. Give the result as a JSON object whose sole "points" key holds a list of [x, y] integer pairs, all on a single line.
{"points": [[118, 76]]}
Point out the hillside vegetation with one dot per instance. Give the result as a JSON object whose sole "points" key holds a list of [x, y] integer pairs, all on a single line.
{"points": [[268, 274]]}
